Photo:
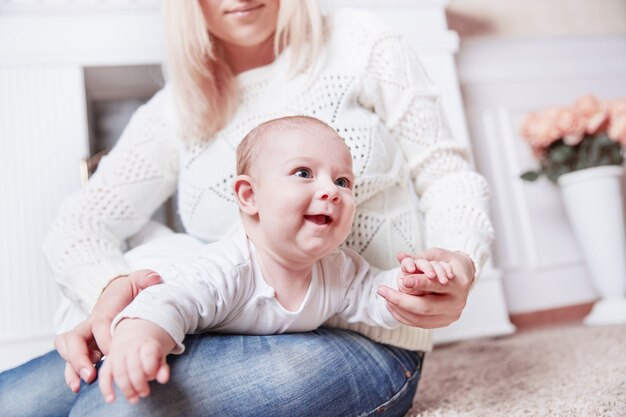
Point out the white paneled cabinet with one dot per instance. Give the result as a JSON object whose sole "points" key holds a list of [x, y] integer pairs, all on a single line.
{"points": [[502, 80]]}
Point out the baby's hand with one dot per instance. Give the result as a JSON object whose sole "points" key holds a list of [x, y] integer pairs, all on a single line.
{"points": [[440, 270], [135, 358]]}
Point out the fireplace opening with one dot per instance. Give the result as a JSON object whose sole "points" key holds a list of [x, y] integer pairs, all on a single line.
{"points": [[113, 93]]}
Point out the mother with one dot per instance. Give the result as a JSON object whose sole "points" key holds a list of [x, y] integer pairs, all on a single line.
{"points": [[233, 64]]}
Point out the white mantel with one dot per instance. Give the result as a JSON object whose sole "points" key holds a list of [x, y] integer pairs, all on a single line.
{"points": [[73, 33]]}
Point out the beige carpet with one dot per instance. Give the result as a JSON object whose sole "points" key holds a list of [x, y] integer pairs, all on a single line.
{"points": [[559, 371]]}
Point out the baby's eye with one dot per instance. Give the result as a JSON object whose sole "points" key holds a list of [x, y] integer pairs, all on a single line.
{"points": [[342, 182], [303, 173]]}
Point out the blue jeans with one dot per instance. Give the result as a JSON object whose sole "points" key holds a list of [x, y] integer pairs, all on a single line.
{"points": [[328, 372]]}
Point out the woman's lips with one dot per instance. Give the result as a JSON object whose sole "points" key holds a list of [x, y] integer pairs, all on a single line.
{"points": [[243, 11]]}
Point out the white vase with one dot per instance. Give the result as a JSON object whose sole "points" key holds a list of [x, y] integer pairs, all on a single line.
{"points": [[594, 204]]}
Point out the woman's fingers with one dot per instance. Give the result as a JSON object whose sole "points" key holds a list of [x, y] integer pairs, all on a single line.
{"points": [[72, 379], [415, 320], [76, 348], [65, 344], [408, 285], [410, 302], [95, 355], [144, 278], [418, 284], [432, 309]]}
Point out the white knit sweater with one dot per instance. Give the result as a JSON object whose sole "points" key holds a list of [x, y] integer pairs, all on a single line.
{"points": [[369, 87]]}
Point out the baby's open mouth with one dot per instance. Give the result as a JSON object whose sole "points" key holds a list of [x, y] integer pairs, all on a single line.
{"points": [[318, 218]]}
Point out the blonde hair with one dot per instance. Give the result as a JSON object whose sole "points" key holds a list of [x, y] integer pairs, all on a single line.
{"points": [[203, 86], [251, 145]]}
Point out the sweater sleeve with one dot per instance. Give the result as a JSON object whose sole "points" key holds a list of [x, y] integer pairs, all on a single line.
{"points": [[453, 197], [85, 243]]}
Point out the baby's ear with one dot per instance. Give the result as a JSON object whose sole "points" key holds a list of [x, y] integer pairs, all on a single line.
{"points": [[244, 193]]}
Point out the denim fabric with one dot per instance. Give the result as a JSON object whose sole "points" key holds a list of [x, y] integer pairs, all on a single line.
{"points": [[327, 372], [36, 388]]}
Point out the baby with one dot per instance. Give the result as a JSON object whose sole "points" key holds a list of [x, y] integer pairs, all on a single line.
{"points": [[282, 271]]}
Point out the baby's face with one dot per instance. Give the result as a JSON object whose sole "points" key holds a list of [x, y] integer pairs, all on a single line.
{"points": [[304, 191]]}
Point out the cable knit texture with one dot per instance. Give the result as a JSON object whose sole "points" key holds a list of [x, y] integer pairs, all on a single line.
{"points": [[369, 87]]}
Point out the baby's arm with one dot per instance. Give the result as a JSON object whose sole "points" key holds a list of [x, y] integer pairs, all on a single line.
{"points": [[137, 356], [440, 270]]}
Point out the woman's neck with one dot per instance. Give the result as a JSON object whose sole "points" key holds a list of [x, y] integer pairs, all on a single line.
{"points": [[244, 58]]}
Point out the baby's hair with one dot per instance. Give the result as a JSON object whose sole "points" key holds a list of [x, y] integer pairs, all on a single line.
{"points": [[249, 147]]}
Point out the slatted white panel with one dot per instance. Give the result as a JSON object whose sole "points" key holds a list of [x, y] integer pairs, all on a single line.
{"points": [[42, 138]]}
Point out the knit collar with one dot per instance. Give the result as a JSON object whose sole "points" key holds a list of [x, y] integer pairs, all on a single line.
{"points": [[256, 75]]}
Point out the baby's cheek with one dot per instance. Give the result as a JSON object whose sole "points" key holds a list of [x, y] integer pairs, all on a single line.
{"points": [[350, 207]]}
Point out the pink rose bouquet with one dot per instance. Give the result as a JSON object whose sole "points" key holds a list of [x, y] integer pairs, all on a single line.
{"points": [[589, 133]]}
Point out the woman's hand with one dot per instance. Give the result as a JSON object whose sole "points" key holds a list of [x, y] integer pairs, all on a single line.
{"points": [[426, 303], [85, 345]]}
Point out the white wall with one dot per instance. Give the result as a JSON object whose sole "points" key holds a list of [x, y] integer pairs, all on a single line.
{"points": [[537, 17]]}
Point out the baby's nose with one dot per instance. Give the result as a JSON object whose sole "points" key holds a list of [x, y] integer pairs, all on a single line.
{"points": [[329, 192]]}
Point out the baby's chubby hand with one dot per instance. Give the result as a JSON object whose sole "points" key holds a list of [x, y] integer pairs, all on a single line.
{"points": [[411, 265], [137, 356]]}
